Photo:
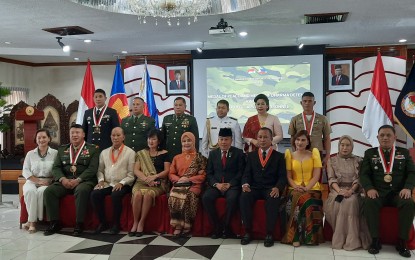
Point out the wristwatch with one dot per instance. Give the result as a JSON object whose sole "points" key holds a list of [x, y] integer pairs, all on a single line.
{"points": [[214, 185]]}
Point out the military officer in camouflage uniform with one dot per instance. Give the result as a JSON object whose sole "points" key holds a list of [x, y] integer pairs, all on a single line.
{"points": [[74, 172], [215, 123], [137, 126], [387, 174], [175, 125]]}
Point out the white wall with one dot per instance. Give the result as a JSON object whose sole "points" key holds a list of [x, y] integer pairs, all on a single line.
{"points": [[64, 82]]}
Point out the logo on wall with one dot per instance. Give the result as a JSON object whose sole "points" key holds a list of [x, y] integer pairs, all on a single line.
{"points": [[408, 104]]}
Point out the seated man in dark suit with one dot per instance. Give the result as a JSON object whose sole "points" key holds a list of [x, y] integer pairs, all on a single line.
{"points": [[224, 171], [387, 174], [265, 177]]}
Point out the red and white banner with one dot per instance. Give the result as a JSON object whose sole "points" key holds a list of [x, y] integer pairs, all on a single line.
{"points": [[86, 100]]}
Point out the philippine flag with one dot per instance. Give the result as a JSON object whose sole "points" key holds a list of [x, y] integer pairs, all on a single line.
{"points": [[87, 94], [147, 94], [118, 99], [378, 110]]}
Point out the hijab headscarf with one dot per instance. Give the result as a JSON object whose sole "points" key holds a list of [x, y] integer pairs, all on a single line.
{"points": [[192, 137], [351, 143]]}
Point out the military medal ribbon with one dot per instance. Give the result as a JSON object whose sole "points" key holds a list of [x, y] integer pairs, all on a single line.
{"points": [[309, 126], [73, 158], [97, 122], [387, 167], [113, 158], [264, 161]]}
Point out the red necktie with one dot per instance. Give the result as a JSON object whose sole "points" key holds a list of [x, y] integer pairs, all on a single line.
{"points": [[223, 158], [337, 80], [178, 84]]}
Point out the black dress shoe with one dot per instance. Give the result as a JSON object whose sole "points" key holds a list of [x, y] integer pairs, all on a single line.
{"points": [[115, 230], [78, 230], [228, 234], [401, 248], [375, 246], [100, 228], [139, 234], [269, 241], [215, 235], [246, 239], [131, 234], [53, 228]]}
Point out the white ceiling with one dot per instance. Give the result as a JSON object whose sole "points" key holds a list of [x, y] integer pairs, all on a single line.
{"points": [[278, 23]]}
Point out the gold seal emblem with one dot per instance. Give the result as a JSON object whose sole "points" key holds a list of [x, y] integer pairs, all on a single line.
{"points": [[73, 169], [387, 178], [30, 110]]}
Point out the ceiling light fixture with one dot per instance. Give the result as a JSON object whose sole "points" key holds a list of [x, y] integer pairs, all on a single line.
{"points": [[243, 34], [200, 49], [299, 44], [170, 9], [87, 41], [124, 52], [76, 59], [65, 48], [402, 40], [7, 43]]}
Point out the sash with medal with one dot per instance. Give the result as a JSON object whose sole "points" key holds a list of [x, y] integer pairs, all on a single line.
{"points": [[97, 122], [308, 126], [113, 158], [73, 158], [387, 167], [262, 160]]}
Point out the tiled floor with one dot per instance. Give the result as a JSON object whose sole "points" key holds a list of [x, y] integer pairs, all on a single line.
{"points": [[18, 244]]}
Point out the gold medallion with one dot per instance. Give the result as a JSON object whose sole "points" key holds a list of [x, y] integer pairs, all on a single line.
{"points": [[97, 129], [73, 169], [387, 178]]}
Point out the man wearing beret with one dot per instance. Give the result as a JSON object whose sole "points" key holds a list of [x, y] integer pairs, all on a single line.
{"points": [[388, 176], [224, 171], [74, 172]]}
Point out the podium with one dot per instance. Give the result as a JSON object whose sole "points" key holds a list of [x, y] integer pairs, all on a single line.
{"points": [[30, 117]]}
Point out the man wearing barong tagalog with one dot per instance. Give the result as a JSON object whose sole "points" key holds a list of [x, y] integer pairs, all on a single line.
{"points": [[388, 176]]}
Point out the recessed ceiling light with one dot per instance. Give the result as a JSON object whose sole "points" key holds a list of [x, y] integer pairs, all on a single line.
{"points": [[7, 43], [87, 41], [402, 40], [124, 52], [76, 58], [243, 34]]}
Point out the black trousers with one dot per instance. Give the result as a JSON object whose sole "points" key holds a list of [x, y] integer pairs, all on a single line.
{"points": [[272, 205], [98, 201], [209, 198]]}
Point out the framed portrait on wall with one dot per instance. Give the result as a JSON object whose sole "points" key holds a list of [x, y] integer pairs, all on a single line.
{"points": [[52, 123], [340, 75], [177, 82]]}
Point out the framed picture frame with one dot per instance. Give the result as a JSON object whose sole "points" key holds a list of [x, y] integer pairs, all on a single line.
{"points": [[340, 75], [177, 81]]}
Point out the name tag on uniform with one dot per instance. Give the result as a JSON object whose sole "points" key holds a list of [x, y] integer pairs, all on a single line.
{"points": [[400, 157]]}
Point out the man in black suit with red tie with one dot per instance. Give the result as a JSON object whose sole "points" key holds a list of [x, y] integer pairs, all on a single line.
{"points": [[339, 78], [99, 121], [177, 83], [265, 177], [224, 171]]}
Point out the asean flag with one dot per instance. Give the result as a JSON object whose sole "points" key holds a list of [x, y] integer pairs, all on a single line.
{"points": [[378, 110], [118, 99]]}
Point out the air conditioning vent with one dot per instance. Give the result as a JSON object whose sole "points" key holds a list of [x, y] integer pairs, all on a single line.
{"points": [[325, 18]]}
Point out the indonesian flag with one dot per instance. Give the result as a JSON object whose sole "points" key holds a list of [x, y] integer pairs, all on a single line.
{"points": [[378, 110], [87, 94], [118, 99], [147, 94]]}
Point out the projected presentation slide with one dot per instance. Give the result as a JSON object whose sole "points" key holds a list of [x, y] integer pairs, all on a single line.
{"points": [[283, 84]]}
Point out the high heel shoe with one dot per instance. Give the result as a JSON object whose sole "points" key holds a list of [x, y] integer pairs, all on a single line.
{"points": [[186, 233], [177, 232], [32, 230]]}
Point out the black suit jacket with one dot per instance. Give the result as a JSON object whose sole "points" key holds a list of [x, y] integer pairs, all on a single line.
{"points": [[108, 122], [274, 174], [173, 85], [231, 173], [344, 80]]}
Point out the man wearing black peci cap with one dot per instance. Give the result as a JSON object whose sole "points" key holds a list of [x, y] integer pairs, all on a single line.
{"points": [[224, 171]]}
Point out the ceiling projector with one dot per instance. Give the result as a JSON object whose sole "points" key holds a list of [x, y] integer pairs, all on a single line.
{"points": [[222, 29]]}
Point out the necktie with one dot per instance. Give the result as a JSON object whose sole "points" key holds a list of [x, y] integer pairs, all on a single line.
{"points": [[264, 155], [387, 154], [337, 80], [178, 84], [223, 158], [98, 112], [135, 119]]}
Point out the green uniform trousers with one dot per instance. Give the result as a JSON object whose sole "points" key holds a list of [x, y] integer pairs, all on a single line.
{"points": [[54, 192], [406, 207]]}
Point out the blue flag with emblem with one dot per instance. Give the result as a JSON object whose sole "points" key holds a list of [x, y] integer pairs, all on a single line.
{"points": [[405, 106]]}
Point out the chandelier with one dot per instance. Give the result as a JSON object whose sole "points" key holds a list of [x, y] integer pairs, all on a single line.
{"points": [[171, 9]]}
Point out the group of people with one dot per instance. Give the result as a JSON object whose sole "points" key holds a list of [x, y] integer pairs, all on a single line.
{"points": [[106, 158]]}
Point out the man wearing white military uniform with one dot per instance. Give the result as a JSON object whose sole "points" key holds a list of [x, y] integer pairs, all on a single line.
{"points": [[215, 123]]}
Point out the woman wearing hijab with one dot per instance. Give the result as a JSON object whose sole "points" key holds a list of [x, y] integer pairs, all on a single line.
{"points": [[187, 173], [261, 119], [342, 206]]}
